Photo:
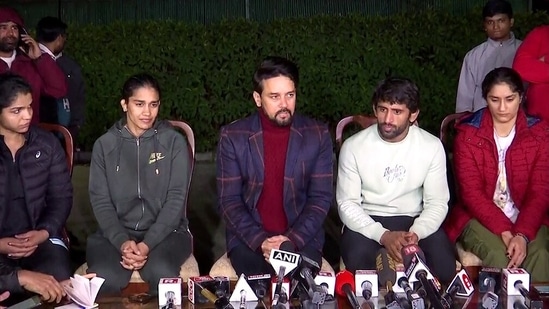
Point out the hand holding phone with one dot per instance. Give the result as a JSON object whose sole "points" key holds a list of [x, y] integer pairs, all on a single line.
{"points": [[28, 45]]}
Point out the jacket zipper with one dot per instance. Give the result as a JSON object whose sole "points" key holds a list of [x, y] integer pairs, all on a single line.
{"points": [[139, 187]]}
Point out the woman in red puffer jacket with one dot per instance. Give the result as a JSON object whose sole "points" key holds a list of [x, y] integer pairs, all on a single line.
{"points": [[501, 159]]}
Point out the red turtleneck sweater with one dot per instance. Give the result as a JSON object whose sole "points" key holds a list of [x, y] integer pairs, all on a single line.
{"points": [[271, 200]]}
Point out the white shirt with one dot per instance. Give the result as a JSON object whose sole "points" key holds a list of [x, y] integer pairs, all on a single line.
{"points": [[9, 60], [46, 50], [502, 197], [379, 178]]}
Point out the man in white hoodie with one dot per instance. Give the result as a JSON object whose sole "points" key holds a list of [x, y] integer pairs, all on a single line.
{"points": [[392, 188]]}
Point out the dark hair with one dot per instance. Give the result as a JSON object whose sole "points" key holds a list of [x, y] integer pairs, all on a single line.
{"points": [[396, 90], [274, 66], [49, 28], [502, 75], [139, 81], [494, 7], [11, 86]]}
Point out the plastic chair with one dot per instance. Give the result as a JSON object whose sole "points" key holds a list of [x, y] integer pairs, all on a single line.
{"points": [[466, 258], [445, 126], [67, 139], [363, 120]]}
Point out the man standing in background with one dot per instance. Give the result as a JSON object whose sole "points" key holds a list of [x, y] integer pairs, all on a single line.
{"points": [[20, 54], [498, 51], [532, 63], [51, 34]]}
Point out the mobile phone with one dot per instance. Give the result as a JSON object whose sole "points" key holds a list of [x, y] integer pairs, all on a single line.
{"points": [[22, 45], [141, 298]]}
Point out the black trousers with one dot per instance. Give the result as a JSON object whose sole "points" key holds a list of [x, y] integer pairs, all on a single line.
{"points": [[246, 261], [164, 261], [359, 252], [48, 258]]}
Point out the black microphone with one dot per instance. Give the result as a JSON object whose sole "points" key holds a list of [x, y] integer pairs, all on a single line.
{"points": [[518, 304], [490, 299], [220, 303], [345, 287], [386, 273], [417, 270], [530, 300], [415, 299], [283, 261], [316, 293], [489, 275]]}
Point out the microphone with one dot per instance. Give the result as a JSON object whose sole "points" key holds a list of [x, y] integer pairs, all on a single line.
{"points": [[259, 284], [416, 270], [386, 273], [366, 289], [345, 286], [242, 292], [518, 304], [327, 281], [511, 276], [531, 301], [489, 275], [316, 293], [416, 301], [220, 303], [242, 299], [490, 299], [283, 261], [462, 284], [366, 283]]}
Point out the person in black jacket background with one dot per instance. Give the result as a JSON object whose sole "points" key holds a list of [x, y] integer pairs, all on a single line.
{"points": [[51, 34], [35, 196]]}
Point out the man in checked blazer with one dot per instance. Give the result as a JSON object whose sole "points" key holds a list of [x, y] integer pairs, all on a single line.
{"points": [[274, 174]]}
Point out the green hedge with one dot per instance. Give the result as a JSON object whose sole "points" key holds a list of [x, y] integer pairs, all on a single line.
{"points": [[205, 71]]}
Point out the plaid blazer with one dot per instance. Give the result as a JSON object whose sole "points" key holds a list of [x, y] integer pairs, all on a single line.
{"points": [[308, 181]]}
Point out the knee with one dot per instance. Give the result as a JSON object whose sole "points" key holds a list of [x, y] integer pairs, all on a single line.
{"points": [[116, 277], [496, 258], [358, 258], [539, 254], [154, 270]]}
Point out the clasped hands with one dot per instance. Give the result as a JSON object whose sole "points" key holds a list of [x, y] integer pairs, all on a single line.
{"points": [[393, 241], [22, 245], [134, 255], [272, 243]]}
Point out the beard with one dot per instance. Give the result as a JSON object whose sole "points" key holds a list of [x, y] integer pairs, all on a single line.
{"points": [[281, 122], [8, 44], [393, 132]]}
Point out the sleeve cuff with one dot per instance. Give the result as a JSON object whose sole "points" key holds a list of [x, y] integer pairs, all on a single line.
{"points": [[530, 235], [119, 240], [375, 232], [257, 241], [421, 233]]}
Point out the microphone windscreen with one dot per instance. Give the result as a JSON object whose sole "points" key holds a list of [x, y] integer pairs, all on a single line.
{"points": [[385, 267], [342, 278], [287, 246], [408, 253]]}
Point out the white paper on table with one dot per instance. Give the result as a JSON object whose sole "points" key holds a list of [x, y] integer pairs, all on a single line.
{"points": [[83, 291]]}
